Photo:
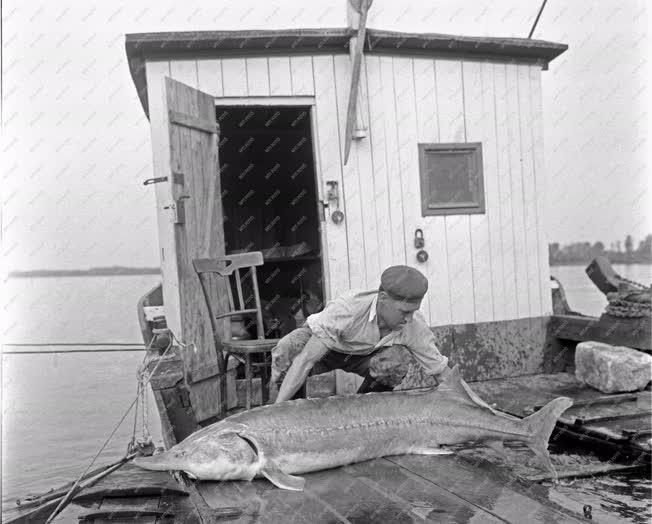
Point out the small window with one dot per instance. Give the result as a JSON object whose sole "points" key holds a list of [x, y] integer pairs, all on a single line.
{"points": [[451, 179]]}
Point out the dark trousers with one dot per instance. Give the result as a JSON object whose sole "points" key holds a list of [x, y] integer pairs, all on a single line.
{"points": [[382, 369]]}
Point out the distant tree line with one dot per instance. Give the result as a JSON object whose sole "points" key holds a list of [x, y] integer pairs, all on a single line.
{"points": [[584, 252]]}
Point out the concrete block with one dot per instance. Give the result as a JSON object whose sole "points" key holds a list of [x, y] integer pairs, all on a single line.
{"points": [[612, 369]]}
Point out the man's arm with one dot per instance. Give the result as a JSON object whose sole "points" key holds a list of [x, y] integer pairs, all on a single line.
{"points": [[312, 352]]}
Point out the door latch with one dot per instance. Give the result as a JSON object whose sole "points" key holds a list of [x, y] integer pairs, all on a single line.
{"points": [[333, 195]]}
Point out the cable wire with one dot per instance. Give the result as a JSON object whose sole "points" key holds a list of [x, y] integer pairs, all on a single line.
{"points": [[536, 21]]}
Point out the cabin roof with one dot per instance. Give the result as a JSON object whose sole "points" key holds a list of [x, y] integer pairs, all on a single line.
{"points": [[141, 47]]}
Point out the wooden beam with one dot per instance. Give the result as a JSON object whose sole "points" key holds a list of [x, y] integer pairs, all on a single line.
{"points": [[358, 43], [193, 122], [632, 332]]}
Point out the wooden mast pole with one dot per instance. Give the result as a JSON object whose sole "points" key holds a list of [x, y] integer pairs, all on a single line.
{"points": [[357, 15]]}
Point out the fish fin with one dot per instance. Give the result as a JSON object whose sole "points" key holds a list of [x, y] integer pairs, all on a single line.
{"points": [[431, 451], [497, 446], [273, 473], [540, 424], [454, 382]]}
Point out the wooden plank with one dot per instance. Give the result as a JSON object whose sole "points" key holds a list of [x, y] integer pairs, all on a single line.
{"points": [[140, 503], [366, 181], [234, 76], [328, 150], [521, 270], [132, 480], [536, 136], [209, 76], [350, 194], [503, 145], [280, 77], [394, 186], [419, 498], [322, 385], [256, 392], [408, 157], [302, 75], [374, 491], [486, 488], [570, 327], [350, 188], [156, 73], [450, 114], [530, 196], [258, 81], [586, 471], [479, 127], [191, 122], [492, 183], [434, 227], [378, 144]]}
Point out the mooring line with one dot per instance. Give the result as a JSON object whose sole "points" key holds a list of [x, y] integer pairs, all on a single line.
{"points": [[44, 351]]}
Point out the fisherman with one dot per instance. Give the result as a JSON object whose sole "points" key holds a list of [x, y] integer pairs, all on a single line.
{"points": [[373, 333]]}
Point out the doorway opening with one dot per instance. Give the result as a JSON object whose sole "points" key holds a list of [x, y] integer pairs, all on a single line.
{"points": [[270, 204]]}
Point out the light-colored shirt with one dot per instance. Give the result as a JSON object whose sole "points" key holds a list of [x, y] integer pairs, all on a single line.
{"points": [[348, 324]]}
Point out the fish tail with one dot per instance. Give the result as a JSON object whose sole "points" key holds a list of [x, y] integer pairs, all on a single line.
{"points": [[539, 427]]}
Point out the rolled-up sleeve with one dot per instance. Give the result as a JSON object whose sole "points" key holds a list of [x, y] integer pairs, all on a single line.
{"points": [[421, 343], [329, 324]]}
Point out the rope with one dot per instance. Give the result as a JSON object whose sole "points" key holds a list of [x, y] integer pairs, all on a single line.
{"points": [[88, 344], [630, 304], [68, 495], [57, 351]]}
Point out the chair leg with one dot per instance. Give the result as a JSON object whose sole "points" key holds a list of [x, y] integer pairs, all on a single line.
{"points": [[248, 379]]}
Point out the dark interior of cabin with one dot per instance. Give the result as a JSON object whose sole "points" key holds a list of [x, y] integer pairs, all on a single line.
{"points": [[269, 200]]}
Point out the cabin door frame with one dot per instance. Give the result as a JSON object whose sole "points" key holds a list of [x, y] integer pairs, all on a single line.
{"points": [[297, 101]]}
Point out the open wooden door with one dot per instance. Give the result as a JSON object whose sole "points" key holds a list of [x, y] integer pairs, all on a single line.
{"points": [[195, 210]]}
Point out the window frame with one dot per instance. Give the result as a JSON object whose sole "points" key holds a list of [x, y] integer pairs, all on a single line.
{"points": [[476, 207]]}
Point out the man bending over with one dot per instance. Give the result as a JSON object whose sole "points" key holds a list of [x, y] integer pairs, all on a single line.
{"points": [[370, 333]]}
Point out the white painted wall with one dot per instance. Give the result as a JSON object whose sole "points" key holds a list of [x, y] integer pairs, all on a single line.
{"points": [[481, 268]]}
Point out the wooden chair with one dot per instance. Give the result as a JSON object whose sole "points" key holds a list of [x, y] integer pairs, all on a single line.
{"points": [[228, 268]]}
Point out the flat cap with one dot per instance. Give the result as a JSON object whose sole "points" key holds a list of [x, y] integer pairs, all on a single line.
{"points": [[404, 283]]}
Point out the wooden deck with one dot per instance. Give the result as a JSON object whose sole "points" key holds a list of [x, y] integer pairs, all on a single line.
{"points": [[403, 489], [469, 486], [622, 421]]}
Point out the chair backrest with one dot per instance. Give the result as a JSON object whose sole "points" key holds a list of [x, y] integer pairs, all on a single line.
{"points": [[228, 267]]}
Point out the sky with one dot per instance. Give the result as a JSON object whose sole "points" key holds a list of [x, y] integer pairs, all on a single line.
{"points": [[76, 144]]}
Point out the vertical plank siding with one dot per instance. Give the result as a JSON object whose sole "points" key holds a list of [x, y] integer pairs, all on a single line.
{"points": [[408, 155], [481, 268], [479, 128], [451, 118], [536, 136], [505, 191], [328, 147]]}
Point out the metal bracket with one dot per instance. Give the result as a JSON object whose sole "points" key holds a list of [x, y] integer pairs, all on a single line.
{"points": [[156, 180], [178, 210]]}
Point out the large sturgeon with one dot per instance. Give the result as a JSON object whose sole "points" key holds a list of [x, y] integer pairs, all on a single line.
{"points": [[299, 436]]}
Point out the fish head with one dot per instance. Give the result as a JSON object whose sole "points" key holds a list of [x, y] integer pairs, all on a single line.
{"points": [[225, 456], [221, 457]]}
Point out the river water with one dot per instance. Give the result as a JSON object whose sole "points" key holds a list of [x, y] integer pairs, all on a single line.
{"points": [[58, 409]]}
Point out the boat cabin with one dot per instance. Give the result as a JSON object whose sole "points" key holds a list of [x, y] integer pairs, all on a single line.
{"points": [[438, 165]]}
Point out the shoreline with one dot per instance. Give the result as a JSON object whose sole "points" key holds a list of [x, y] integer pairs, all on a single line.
{"points": [[99, 272]]}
